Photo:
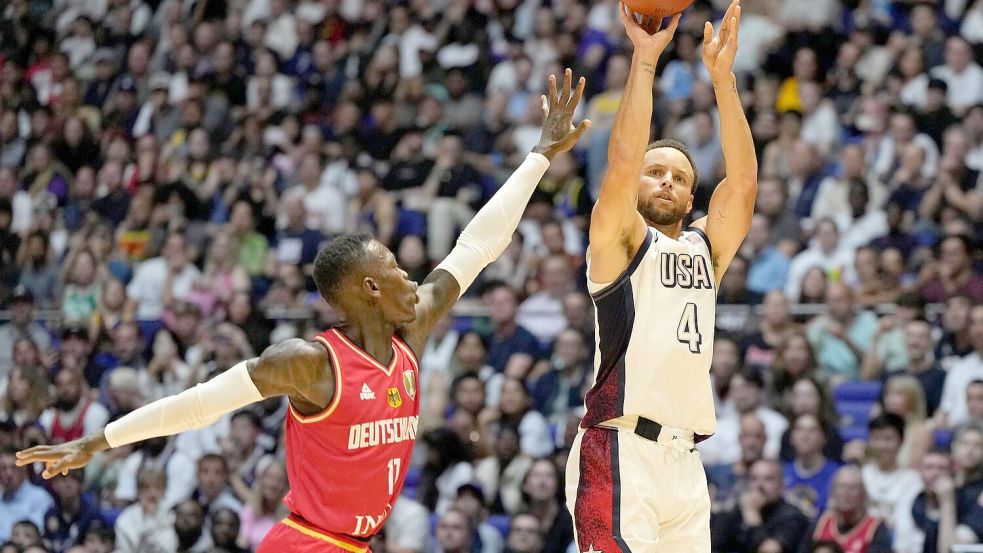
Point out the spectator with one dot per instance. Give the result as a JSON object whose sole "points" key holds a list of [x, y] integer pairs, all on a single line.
{"points": [[762, 515], [525, 535], [446, 469], [542, 312], [768, 265], [952, 409], [516, 409], [213, 491], [407, 529], [729, 481], [73, 414], [25, 397], [74, 512], [953, 272], [826, 252], [903, 396], [747, 393], [451, 188], [794, 360], [810, 397], [25, 534], [177, 482], [244, 448], [956, 341], [189, 531], [542, 492], [841, 335], [225, 530], [974, 401], [560, 388], [265, 506], [146, 523], [471, 501], [809, 474], [887, 483], [963, 75], [454, 532], [160, 280], [508, 337], [502, 472], [849, 523], [21, 325]]}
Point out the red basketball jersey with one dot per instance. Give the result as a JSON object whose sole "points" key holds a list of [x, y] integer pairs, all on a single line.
{"points": [[857, 540], [347, 464]]}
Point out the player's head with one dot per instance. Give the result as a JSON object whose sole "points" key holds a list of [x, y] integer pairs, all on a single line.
{"points": [[354, 272], [668, 180]]}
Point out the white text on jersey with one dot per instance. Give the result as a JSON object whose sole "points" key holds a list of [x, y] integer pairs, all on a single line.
{"points": [[683, 270], [382, 432]]}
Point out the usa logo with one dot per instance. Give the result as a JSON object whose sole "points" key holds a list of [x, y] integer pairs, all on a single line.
{"points": [[409, 384], [393, 398]]}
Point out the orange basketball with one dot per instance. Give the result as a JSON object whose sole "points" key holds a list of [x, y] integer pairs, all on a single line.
{"points": [[658, 8]]}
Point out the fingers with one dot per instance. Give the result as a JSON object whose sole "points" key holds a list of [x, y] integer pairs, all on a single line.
{"points": [[53, 469], [578, 93], [545, 107], [581, 128], [707, 33], [552, 87], [673, 24], [38, 453], [567, 82], [736, 22]]}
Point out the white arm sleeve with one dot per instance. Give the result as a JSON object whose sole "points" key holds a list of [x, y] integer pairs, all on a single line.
{"points": [[490, 231], [194, 408]]}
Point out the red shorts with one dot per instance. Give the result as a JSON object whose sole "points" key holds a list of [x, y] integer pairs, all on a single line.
{"points": [[295, 536]]}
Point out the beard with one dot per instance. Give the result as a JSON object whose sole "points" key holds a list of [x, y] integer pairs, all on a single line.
{"points": [[187, 537], [657, 216], [65, 403]]}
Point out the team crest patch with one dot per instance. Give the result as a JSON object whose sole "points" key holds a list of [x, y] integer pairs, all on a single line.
{"points": [[393, 398], [409, 384]]}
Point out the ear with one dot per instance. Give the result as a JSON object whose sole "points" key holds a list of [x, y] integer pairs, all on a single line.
{"points": [[371, 287], [689, 204]]}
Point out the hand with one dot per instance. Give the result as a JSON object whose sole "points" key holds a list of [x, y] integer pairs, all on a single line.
{"points": [[61, 458], [646, 35], [835, 329], [719, 51], [887, 324], [944, 487], [752, 500], [559, 134]]}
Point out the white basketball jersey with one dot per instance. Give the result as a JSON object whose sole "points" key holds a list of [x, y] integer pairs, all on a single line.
{"points": [[654, 336]]}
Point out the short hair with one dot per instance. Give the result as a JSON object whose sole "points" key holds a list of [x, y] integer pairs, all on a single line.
{"points": [[752, 376], [335, 261], [677, 145], [214, 457], [975, 382], [887, 420]]}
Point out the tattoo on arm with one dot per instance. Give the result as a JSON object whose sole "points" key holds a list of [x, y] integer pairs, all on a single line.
{"points": [[720, 216], [648, 67]]}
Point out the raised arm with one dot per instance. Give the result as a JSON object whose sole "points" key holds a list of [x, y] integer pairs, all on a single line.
{"points": [[732, 203], [295, 368], [616, 228], [491, 229]]}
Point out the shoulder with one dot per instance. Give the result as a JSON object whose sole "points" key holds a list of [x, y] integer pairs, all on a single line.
{"points": [[293, 351]]}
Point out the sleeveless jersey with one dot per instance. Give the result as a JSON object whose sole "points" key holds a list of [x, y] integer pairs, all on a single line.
{"points": [[346, 465], [857, 540], [654, 336], [61, 434]]}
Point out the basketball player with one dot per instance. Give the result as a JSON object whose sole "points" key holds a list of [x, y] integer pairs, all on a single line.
{"points": [[635, 482], [354, 400]]}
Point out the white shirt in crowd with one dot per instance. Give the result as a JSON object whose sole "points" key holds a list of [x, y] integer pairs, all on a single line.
{"points": [[887, 490], [148, 281], [962, 372], [724, 446]]}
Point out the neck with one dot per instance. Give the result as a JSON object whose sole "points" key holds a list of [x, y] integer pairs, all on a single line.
{"points": [[372, 334], [811, 461], [887, 465], [506, 328], [851, 518], [672, 231], [544, 510]]}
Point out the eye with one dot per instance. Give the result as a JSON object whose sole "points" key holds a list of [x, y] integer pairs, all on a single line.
{"points": [[657, 172], [678, 179]]}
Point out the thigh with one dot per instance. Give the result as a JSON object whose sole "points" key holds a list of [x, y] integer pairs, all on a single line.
{"points": [[609, 510], [688, 531]]}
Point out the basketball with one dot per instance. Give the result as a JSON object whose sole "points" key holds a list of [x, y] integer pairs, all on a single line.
{"points": [[658, 8]]}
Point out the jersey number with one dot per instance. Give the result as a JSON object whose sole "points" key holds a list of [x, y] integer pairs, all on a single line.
{"points": [[394, 464], [688, 331]]}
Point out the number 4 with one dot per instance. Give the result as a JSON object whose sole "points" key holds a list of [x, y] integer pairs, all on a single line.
{"points": [[688, 331]]}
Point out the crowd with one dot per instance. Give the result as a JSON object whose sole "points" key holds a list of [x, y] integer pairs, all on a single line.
{"points": [[169, 169]]}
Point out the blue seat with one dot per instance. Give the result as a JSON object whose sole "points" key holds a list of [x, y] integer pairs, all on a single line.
{"points": [[943, 436], [862, 390], [854, 413], [501, 523], [410, 223]]}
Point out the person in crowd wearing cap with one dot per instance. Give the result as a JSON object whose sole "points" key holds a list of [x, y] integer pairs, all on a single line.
{"points": [[471, 501], [21, 325], [74, 512]]}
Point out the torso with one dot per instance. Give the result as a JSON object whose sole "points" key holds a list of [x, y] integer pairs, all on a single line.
{"points": [[856, 540], [347, 463], [655, 327]]}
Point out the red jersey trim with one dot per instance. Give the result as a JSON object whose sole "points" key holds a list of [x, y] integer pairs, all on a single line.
{"points": [[307, 531], [337, 390], [369, 358], [407, 350]]}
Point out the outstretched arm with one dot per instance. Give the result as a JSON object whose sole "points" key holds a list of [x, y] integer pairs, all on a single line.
{"points": [[491, 229], [732, 203], [295, 368], [617, 230]]}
